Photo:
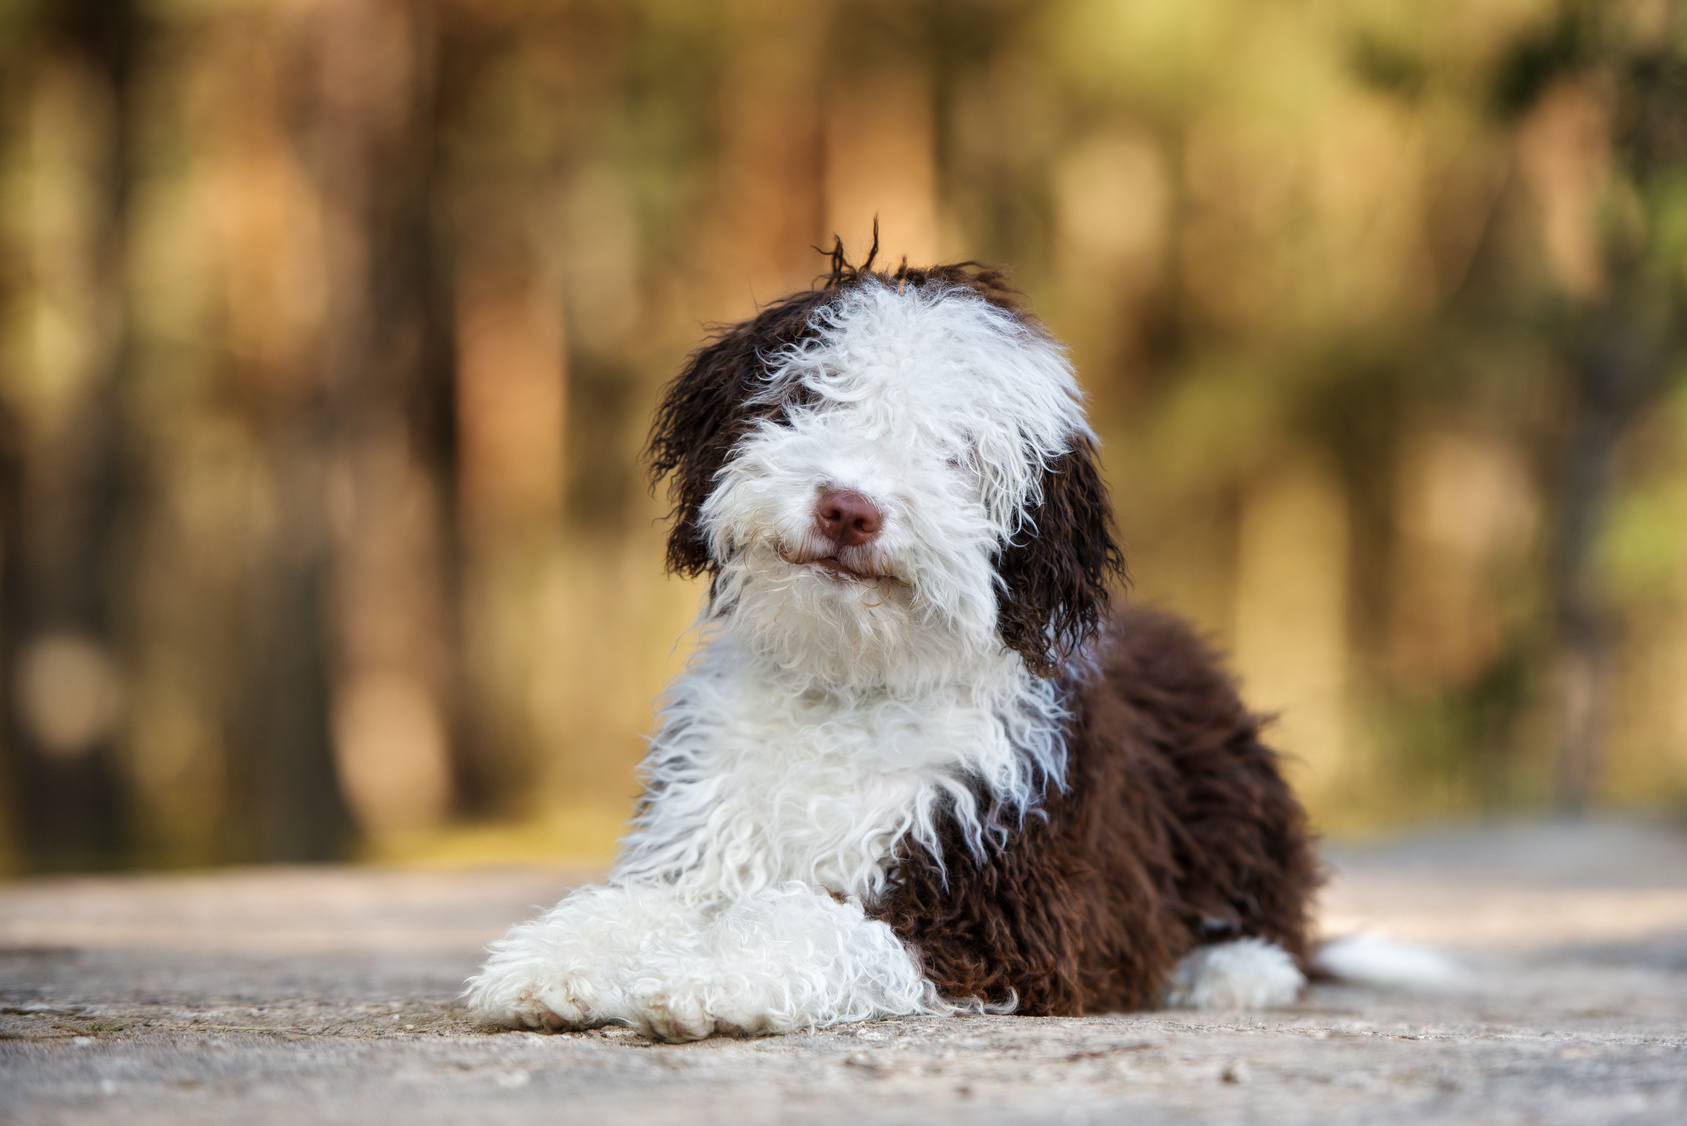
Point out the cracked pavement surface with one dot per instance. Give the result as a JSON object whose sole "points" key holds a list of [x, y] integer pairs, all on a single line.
{"points": [[330, 994]]}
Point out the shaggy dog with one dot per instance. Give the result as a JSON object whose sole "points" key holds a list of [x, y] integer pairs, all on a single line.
{"points": [[917, 765]]}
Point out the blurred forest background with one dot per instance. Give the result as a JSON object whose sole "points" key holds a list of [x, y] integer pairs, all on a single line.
{"points": [[330, 330]]}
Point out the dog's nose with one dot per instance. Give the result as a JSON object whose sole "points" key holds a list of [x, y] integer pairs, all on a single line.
{"points": [[847, 518]]}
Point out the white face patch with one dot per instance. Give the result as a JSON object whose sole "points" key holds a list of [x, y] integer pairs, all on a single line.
{"points": [[938, 409]]}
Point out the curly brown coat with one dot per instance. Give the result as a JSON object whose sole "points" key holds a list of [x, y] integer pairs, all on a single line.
{"points": [[1175, 828]]}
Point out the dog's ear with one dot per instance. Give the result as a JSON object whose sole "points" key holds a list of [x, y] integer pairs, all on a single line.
{"points": [[715, 400], [1058, 571]]}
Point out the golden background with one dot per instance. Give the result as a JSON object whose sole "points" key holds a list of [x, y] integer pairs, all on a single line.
{"points": [[330, 330]]}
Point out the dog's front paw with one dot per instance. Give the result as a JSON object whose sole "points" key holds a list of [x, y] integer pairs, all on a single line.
{"points": [[692, 1008], [559, 1007], [675, 1015], [565, 969], [552, 1002]]}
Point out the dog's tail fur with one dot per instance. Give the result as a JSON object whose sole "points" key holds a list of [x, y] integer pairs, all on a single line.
{"points": [[1369, 959]]}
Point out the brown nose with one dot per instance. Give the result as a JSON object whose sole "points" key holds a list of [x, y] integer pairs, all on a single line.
{"points": [[847, 518]]}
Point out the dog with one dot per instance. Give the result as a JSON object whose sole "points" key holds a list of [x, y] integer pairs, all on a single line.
{"points": [[918, 763]]}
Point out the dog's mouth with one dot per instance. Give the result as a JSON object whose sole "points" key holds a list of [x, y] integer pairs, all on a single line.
{"points": [[834, 568]]}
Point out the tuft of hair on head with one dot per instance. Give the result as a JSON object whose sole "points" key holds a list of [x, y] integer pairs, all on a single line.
{"points": [[984, 280], [843, 272]]}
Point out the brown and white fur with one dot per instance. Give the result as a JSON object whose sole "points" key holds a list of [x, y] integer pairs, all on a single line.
{"points": [[916, 764]]}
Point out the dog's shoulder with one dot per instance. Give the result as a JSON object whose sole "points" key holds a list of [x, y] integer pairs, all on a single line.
{"points": [[1153, 662], [1159, 709]]}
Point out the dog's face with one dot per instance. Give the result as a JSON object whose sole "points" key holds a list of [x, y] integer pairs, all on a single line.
{"points": [[887, 477]]}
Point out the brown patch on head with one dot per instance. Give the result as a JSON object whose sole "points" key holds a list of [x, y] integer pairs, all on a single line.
{"points": [[717, 398], [1058, 572], [988, 282]]}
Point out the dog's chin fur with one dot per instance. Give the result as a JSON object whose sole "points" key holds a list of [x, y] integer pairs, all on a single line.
{"points": [[764, 773], [850, 710], [844, 632]]}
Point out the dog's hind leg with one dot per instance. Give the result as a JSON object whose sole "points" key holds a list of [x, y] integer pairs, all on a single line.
{"points": [[1249, 973]]}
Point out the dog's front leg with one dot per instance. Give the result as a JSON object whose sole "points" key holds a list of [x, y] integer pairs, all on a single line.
{"points": [[771, 961], [778, 960], [574, 966]]}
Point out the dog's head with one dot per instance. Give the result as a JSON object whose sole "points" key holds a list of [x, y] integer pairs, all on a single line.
{"points": [[889, 475]]}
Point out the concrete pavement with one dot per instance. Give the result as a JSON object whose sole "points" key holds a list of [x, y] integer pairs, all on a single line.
{"points": [[330, 995]]}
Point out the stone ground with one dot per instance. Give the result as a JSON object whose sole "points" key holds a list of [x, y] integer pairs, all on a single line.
{"points": [[329, 995]]}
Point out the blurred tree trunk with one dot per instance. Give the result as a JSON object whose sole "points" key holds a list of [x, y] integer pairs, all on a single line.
{"points": [[388, 373], [61, 476], [1627, 343], [346, 727], [1601, 104], [284, 799], [1614, 376]]}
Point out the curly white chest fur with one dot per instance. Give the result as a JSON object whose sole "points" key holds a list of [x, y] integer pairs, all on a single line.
{"points": [[758, 777], [775, 808]]}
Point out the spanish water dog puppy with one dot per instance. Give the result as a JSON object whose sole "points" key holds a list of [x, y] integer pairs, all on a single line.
{"points": [[917, 764]]}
